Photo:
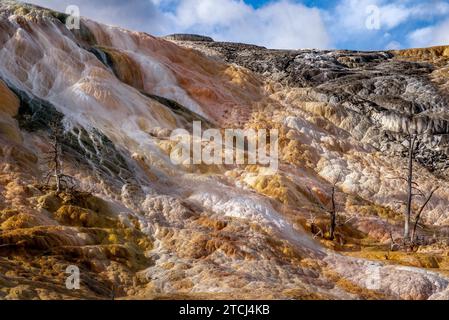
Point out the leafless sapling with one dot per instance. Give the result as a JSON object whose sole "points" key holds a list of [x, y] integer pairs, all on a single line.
{"points": [[54, 161], [412, 186], [331, 207]]}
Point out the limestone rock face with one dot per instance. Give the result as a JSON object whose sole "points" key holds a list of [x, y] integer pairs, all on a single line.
{"points": [[9, 103], [139, 225], [374, 92]]}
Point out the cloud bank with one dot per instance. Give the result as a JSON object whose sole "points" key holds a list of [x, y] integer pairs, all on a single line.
{"points": [[398, 21], [431, 36], [280, 23], [142, 15]]}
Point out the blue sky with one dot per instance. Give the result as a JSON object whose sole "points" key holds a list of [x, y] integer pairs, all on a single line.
{"points": [[341, 24]]}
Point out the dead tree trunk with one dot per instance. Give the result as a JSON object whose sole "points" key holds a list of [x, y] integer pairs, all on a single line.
{"points": [[408, 207], [54, 160], [330, 208], [333, 213], [57, 164]]}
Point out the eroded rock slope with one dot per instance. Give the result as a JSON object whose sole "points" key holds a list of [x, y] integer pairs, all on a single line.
{"points": [[140, 226]]}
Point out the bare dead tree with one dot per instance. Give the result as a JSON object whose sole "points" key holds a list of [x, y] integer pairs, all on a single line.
{"points": [[333, 213], [412, 187], [331, 207], [54, 161]]}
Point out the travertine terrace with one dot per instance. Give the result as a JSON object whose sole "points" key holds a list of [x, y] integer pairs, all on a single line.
{"points": [[141, 227]]}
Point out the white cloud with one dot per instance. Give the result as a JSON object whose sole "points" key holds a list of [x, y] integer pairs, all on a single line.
{"points": [[352, 15], [211, 13], [431, 36], [279, 24], [364, 23], [143, 15]]}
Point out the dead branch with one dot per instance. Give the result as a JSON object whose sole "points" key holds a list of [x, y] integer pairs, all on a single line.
{"points": [[421, 210], [339, 224], [314, 228]]}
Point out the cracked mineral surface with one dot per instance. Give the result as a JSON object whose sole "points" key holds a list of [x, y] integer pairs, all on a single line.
{"points": [[139, 226]]}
